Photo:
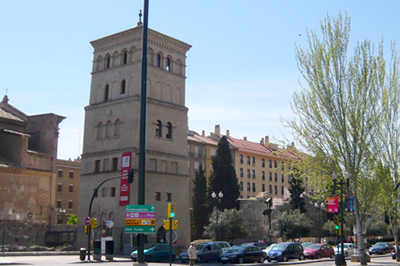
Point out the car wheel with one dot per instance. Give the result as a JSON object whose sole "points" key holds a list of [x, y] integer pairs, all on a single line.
{"points": [[333, 256], [262, 259], [241, 260], [268, 260], [284, 258], [318, 256], [301, 257], [199, 259]]}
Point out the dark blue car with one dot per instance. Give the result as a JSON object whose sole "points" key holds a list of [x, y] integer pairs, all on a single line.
{"points": [[285, 251], [243, 253]]}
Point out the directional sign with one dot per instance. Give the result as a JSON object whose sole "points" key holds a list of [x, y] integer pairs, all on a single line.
{"points": [[140, 219], [87, 221]]}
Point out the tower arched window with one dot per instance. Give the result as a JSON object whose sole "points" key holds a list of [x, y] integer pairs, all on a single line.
{"points": [[159, 128], [106, 92], [125, 57], [117, 127], [108, 128], [99, 130], [169, 131], [168, 64], [123, 84], [108, 61], [158, 63]]}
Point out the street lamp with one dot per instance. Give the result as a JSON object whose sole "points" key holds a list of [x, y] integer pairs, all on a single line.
{"points": [[268, 212], [217, 199], [318, 207], [341, 260]]}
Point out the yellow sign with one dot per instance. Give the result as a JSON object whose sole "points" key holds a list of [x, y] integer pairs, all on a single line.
{"points": [[144, 222]]}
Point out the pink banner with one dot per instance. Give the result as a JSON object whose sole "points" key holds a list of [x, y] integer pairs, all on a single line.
{"points": [[124, 189], [333, 204]]}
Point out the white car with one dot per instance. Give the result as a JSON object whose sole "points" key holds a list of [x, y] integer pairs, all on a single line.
{"points": [[348, 249]]}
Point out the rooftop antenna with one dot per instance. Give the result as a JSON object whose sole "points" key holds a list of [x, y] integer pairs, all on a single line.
{"points": [[140, 19]]}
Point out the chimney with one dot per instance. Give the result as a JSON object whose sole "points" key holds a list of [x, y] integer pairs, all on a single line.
{"points": [[245, 138], [262, 141], [227, 133], [217, 130], [266, 139], [203, 134]]}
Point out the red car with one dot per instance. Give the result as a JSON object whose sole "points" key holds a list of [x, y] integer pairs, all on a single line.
{"points": [[317, 251]]}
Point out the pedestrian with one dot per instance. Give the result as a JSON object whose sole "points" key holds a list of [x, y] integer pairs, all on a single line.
{"points": [[192, 254]]}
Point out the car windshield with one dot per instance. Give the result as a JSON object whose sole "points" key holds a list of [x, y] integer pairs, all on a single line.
{"points": [[199, 246], [313, 246], [280, 246], [236, 249], [378, 245]]}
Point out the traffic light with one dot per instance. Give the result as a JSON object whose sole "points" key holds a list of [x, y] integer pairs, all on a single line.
{"points": [[131, 175], [171, 210], [86, 229], [166, 224], [174, 224], [94, 223]]}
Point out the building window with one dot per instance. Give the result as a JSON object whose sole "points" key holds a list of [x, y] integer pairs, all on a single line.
{"points": [[169, 196], [248, 173], [282, 190], [254, 187], [188, 150], [71, 189], [168, 64], [254, 161], [112, 194], [263, 162], [59, 187], [158, 63], [270, 163], [104, 192], [283, 178], [270, 189], [254, 174], [241, 172], [108, 129], [275, 164], [276, 190], [263, 175], [263, 187], [125, 57], [248, 186], [248, 160], [60, 173], [270, 176], [70, 205], [196, 151], [169, 131], [108, 61], [276, 177], [158, 196], [115, 163], [283, 166], [123, 83], [59, 204], [97, 166], [241, 186], [241, 158], [106, 164], [71, 174], [106, 92], [117, 127], [158, 128]]}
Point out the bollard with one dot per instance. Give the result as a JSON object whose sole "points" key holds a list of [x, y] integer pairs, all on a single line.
{"points": [[82, 254]]}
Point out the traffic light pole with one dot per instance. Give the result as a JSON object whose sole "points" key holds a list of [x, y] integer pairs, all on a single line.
{"points": [[170, 241], [90, 210]]}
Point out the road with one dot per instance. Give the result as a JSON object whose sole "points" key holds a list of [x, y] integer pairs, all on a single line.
{"points": [[121, 261]]}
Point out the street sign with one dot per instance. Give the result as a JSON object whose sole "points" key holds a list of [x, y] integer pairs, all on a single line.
{"points": [[87, 221], [174, 236], [140, 219], [396, 200]]}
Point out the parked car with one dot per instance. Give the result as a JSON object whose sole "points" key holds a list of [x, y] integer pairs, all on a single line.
{"points": [[159, 252], [243, 253], [381, 248], [306, 244], [317, 251], [394, 253], [285, 251], [348, 249], [223, 244], [205, 252], [269, 247], [260, 245]]}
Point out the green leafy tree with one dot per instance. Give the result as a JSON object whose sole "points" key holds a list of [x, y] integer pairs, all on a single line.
{"points": [[337, 114], [199, 203], [231, 225], [291, 224], [296, 189], [72, 219], [224, 177]]}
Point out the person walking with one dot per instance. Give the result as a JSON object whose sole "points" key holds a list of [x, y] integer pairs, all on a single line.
{"points": [[192, 254]]}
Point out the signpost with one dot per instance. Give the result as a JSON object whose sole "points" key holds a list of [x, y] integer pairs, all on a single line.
{"points": [[140, 219], [87, 221]]}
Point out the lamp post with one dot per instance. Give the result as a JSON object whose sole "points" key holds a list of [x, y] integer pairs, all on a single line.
{"points": [[318, 207], [217, 199], [341, 182]]}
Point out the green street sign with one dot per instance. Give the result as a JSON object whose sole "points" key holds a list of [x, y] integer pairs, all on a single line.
{"points": [[140, 208], [140, 229], [140, 219]]}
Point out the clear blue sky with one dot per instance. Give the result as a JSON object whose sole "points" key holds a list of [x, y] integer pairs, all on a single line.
{"points": [[241, 70]]}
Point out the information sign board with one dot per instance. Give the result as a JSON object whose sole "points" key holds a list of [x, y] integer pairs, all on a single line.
{"points": [[140, 219]]}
